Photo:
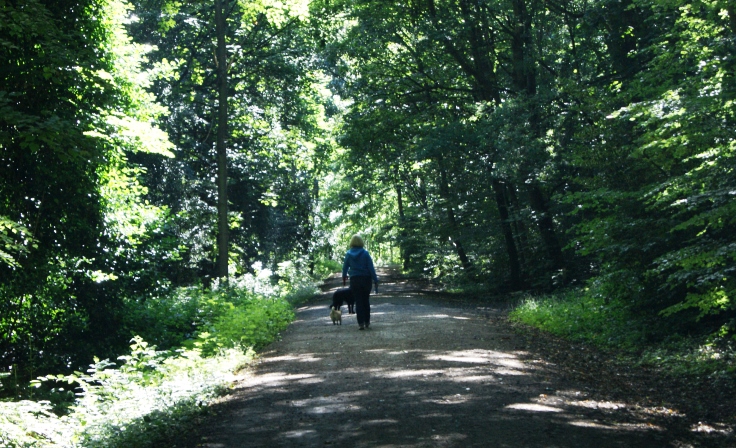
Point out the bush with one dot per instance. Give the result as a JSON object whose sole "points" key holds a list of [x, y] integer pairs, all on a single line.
{"points": [[296, 284], [168, 320], [323, 268], [247, 322]]}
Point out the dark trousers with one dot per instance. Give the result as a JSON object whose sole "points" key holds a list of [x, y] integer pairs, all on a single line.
{"points": [[361, 287]]}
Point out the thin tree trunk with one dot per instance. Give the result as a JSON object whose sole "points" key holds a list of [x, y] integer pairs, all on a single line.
{"points": [[520, 231], [503, 211], [311, 256], [546, 226], [222, 206], [405, 253], [452, 220]]}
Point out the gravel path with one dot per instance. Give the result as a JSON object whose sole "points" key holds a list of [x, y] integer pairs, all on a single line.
{"points": [[428, 373]]}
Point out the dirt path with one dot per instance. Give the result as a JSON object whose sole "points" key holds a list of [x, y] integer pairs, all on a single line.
{"points": [[428, 373]]}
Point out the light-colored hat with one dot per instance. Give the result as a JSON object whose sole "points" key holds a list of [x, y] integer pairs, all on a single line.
{"points": [[356, 241]]}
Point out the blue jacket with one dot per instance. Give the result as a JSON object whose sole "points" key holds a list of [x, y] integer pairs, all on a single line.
{"points": [[358, 262]]}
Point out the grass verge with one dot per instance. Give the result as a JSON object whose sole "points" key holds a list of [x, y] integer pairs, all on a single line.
{"points": [[578, 316]]}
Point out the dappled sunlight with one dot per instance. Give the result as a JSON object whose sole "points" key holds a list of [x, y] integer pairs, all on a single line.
{"points": [[473, 379], [716, 428], [508, 372], [394, 379], [334, 408], [637, 427], [459, 374], [533, 407], [299, 433], [450, 399], [340, 403], [306, 357], [382, 421], [589, 424], [479, 357], [436, 415], [277, 379], [446, 438], [592, 404], [404, 352], [662, 411], [311, 380], [312, 308], [408, 373], [564, 404]]}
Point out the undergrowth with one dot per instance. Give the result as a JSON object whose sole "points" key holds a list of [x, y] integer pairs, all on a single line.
{"points": [[579, 316], [149, 395]]}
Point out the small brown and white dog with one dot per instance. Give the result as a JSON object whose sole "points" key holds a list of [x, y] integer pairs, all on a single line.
{"points": [[336, 316]]}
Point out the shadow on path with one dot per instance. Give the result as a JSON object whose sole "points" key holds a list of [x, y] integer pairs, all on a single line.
{"points": [[426, 374]]}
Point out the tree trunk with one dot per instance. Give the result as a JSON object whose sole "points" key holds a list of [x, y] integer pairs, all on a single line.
{"points": [[520, 230], [222, 206], [503, 211], [729, 80], [526, 83], [452, 220], [518, 46], [546, 226], [405, 253], [312, 225]]}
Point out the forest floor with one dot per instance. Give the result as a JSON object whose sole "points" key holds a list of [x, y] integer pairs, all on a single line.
{"points": [[437, 370]]}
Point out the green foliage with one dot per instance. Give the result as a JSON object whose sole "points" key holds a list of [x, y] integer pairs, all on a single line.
{"points": [[143, 401], [73, 107], [275, 127], [138, 404], [232, 318], [323, 268], [580, 315], [296, 283], [483, 151], [667, 233], [712, 358], [168, 319], [248, 313], [453, 141], [15, 240]]}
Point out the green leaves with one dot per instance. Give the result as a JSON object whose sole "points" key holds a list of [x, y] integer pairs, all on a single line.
{"points": [[15, 240]]}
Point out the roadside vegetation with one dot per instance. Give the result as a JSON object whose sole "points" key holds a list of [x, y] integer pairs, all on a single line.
{"points": [[149, 395], [581, 315]]}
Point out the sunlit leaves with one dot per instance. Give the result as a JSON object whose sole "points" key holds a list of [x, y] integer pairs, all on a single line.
{"points": [[277, 12], [15, 240]]}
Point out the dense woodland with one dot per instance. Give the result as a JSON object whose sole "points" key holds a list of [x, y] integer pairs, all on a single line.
{"points": [[154, 147]]}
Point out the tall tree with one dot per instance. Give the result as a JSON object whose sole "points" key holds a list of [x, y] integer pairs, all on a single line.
{"points": [[223, 224], [273, 105], [71, 109]]}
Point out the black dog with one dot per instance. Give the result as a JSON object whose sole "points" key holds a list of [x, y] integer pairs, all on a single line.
{"points": [[344, 295]]}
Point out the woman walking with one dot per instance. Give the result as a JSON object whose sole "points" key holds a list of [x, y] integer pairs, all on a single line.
{"points": [[358, 264]]}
